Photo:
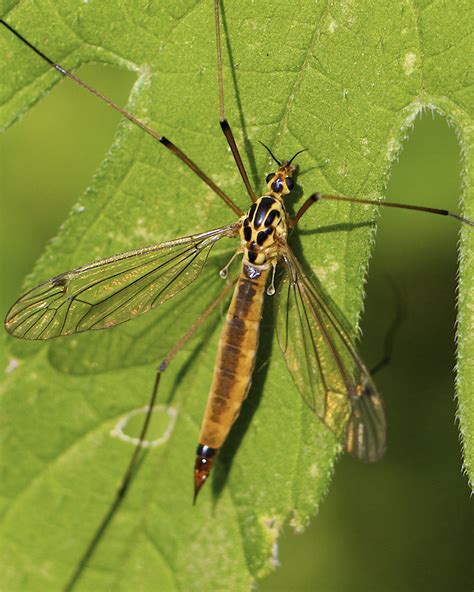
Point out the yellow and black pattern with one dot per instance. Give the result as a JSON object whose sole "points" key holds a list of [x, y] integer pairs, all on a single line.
{"points": [[263, 230]]}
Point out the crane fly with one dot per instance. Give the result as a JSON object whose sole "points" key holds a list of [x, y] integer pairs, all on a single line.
{"points": [[319, 353]]}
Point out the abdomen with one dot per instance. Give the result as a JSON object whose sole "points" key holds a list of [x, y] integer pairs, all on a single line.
{"points": [[234, 366], [235, 358]]}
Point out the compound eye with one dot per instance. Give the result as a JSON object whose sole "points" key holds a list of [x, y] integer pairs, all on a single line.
{"points": [[289, 183], [278, 186], [269, 177]]}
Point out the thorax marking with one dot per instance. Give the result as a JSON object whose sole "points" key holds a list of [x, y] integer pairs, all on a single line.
{"points": [[264, 230]]}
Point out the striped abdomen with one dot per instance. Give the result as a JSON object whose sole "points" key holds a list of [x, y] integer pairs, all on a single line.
{"points": [[234, 366]]}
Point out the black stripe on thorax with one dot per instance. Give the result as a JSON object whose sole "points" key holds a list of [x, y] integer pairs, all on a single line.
{"points": [[264, 206]]}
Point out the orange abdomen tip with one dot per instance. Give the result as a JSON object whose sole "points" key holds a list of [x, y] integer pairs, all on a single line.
{"points": [[205, 456]]}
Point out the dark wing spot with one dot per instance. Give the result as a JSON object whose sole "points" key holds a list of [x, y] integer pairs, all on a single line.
{"points": [[60, 280]]}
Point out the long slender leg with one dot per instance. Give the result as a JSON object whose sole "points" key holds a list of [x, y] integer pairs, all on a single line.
{"points": [[141, 124], [225, 127], [138, 454], [316, 197]]}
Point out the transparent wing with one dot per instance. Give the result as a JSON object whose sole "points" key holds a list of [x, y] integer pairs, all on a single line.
{"points": [[326, 367], [113, 290]]}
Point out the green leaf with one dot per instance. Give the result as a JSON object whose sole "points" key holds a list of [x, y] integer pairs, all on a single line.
{"points": [[343, 81]]}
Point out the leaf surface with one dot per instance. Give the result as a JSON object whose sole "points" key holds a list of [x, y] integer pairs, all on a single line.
{"points": [[344, 81]]}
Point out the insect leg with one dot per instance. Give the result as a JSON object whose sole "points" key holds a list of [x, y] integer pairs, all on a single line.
{"points": [[141, 124], [222, 118], [315, 197], [138, 451]]}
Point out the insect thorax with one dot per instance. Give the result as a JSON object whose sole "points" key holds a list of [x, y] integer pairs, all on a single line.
{"points": [[263, 230]]}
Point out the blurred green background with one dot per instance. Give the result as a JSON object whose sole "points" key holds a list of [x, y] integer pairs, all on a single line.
{"points": [[403, 524]]}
